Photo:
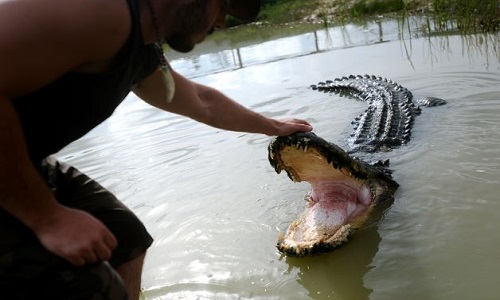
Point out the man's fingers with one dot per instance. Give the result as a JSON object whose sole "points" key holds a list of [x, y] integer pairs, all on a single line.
{"points": [[76, 260], [98, 252], [82, 258], [294, 125], [102, 253], [110, 241], [300, 121]]}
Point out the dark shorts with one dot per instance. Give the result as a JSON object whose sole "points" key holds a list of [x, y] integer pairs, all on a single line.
{"points": [[29, 271]]}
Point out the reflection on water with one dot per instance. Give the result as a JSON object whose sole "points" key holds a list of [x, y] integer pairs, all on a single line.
{"points": [[219, 58], [318, 40], [339, 276], [214, 204]]}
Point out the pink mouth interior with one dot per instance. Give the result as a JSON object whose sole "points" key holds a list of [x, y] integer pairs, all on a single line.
{"points": [[333, 203]]}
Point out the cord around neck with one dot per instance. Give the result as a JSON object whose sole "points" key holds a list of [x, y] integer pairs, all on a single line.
{"points": [[159, 41]]}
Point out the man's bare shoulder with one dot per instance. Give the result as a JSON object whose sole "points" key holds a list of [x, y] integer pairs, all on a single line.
{"points": [[42, 39]]}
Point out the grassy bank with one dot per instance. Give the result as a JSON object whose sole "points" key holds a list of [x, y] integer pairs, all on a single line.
{"points": [[470, 15]]}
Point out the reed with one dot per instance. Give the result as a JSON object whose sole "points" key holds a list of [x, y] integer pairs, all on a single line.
{"points": [[469, 15]]}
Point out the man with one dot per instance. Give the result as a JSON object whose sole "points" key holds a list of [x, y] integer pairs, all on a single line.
{"points": [[64, 67]]}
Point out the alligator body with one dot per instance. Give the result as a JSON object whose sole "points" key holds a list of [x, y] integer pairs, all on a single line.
{"points": [[345, 190], [387, 121]]}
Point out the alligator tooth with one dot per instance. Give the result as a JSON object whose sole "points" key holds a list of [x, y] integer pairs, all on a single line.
{"points": [[345, 172], [309, 198]]}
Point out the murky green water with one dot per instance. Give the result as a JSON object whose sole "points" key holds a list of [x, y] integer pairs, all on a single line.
{"points": [[215, 205]]}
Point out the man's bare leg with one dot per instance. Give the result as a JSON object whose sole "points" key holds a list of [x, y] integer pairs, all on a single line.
{"points": [[131, 272]]}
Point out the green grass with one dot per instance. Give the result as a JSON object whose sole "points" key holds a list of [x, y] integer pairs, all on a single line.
{"points": [[371, 7], [470, 15], [286, 11]]}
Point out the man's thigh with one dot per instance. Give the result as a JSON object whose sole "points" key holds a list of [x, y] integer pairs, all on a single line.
{"points": [[76, 190], [28, 270]]}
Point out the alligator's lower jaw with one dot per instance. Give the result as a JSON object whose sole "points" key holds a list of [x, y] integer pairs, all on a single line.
{"points": [[325, 242]]}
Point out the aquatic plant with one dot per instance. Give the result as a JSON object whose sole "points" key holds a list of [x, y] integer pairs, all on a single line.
{"points": [[470, 15]]}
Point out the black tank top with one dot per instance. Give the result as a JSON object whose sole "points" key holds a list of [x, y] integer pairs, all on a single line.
{"points": [[69, 107]]}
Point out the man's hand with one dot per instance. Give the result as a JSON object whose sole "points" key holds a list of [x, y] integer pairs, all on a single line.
{"points": [[289, 126], [76, 236]]}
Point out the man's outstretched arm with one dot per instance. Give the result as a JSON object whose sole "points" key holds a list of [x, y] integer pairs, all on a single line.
{"points": [[210, 106]]}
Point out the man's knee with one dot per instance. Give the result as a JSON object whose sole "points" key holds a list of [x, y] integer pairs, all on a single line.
{"points": [[98, 281], [77, 190]]}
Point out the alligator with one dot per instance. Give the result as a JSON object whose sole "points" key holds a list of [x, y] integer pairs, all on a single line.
{"points": [[345, 189]]}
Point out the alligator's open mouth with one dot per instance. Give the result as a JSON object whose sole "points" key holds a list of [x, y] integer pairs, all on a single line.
{"points": [[344, 191]]}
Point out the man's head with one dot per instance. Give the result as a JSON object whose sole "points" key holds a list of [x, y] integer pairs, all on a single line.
{"points": [[198, 18]]}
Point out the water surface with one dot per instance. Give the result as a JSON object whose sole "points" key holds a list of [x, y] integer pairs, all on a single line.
{"points": [[214, 204]]}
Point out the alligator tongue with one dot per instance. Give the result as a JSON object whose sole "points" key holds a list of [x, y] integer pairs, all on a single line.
{"points": [[328, 214], [334, 203]]}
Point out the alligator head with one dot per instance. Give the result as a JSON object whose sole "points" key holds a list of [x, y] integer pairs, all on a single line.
{"points": [[344, 191]]}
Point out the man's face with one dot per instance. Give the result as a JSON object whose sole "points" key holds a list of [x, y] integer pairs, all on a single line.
{"points": [[194, 22]]}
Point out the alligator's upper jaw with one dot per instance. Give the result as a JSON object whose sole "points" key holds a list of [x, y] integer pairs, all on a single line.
{"points": [[343, 192]]}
